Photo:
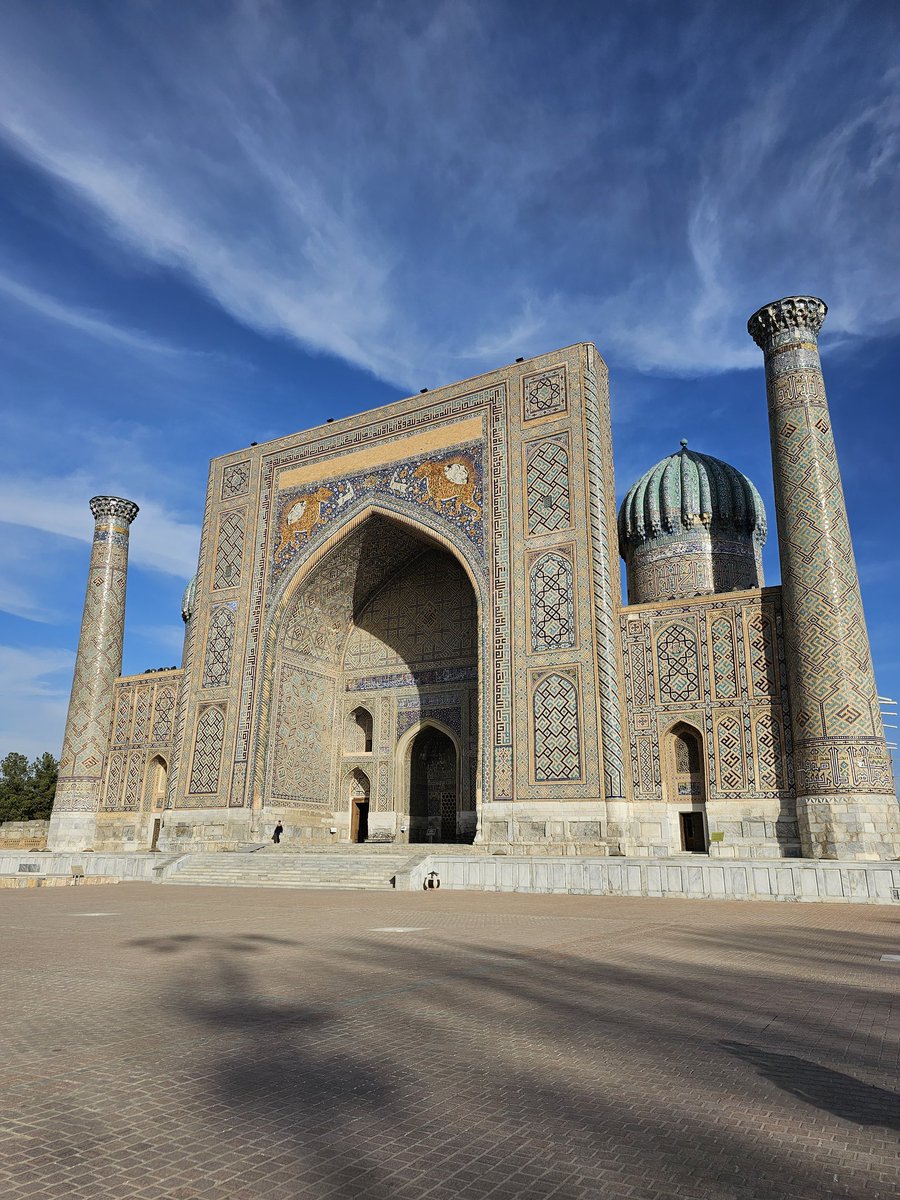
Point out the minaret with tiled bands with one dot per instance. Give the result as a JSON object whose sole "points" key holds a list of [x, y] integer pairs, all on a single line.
{"points": [[846, 806], [97, 666]]}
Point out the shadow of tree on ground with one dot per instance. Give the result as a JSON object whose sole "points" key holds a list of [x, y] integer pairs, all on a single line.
{"points": [[376, 1069], [832, 1091]]}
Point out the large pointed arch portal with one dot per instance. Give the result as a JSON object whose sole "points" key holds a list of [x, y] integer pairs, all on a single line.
{"points": [[378, 637]]}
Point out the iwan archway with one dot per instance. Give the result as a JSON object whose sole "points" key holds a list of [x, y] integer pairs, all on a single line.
{"points": [[378, 641], [431, 786]]}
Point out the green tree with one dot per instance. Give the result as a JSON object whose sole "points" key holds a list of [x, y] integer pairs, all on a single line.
{"points": [[14, 787], [26, 792], [42, 786]]}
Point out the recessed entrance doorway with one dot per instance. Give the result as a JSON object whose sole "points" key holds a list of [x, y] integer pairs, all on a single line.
{"points": [[359, 821], [359, 806], [693, 832], [433, 787]]}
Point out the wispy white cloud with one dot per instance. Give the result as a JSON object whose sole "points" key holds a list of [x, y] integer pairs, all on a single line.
{"points": [[57, 505], [81, 321], [34, 696], [378, 184], [429, 213]]}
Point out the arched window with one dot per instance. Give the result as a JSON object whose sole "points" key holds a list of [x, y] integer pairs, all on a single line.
{"points": [[686, 765], [358, 739]]}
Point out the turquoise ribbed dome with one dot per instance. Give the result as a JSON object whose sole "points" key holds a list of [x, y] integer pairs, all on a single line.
{"points": [[188, 600], [688, 489]]}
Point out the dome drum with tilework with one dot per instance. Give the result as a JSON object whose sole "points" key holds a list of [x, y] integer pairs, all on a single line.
{"points": [[691, 526]]}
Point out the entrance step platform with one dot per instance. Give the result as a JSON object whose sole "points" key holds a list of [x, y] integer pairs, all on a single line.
{"points": [[290, 869], [365, 850]]}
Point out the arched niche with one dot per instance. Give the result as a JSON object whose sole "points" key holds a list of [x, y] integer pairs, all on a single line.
{"points": [[155, 783], [358, 731], [686, 784]]}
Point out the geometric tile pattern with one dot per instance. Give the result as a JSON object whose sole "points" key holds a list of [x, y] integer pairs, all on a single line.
{"points": [[208, 752], [141, 714], [679, 669], [122, 722], [426, 615], [113, 796], [552, 587], [544, 394], [547, 484], [302, 738], [724, 668], [730, 755], [832, 682], [645, 779], [219, 639], [763, 672], [163, 712], [769, 754], [557, 753], [229, 550], [132, 800], [236, 480], [687, 755]]}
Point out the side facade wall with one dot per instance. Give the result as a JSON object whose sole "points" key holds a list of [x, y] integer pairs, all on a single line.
{"points": [[141, 742], [715, 665]]}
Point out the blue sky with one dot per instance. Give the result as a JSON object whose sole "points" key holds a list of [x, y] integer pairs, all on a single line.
{"points": [[223, 222]]}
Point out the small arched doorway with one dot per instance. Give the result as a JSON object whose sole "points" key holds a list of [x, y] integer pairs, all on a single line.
{"points": [[433, 787], [157, 778], [359, 806], [688, 786]]}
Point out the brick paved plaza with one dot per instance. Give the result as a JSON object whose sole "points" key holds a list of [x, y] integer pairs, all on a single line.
{"points": [[232, 1044]]}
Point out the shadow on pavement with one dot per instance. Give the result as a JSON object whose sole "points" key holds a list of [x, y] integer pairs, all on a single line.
{"points": [[378, 1069], [831, 1091]]}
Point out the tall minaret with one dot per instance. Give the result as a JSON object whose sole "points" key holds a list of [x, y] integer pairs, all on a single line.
{"points": [[97, 666], [846, 806]]}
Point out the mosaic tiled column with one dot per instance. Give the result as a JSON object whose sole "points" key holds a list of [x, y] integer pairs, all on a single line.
{"points": [[846, 807], [97, 666]]}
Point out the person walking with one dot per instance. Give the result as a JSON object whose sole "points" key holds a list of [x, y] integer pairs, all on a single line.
{"points": [[279, 830]]}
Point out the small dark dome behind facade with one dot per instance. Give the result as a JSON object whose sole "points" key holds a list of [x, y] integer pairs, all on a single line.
{"points": [[691, 526], [189, 600]]}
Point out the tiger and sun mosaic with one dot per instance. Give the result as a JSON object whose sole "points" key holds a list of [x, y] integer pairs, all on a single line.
{"points": [[409, 626]]}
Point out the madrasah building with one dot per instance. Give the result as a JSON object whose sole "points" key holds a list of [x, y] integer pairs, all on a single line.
{"points": [[407, 626]]}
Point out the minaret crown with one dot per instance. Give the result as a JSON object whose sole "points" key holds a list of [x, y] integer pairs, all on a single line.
{"points": [[793, 312], [114, 506]]}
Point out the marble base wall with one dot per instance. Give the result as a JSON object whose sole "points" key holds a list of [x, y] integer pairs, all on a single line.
{"points": [[186, 831], [71, 831], [865, 828], [685, 877]]}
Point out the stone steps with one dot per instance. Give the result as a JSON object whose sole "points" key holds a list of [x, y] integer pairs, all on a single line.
{"points": [[269, 881], [287, 870]]}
